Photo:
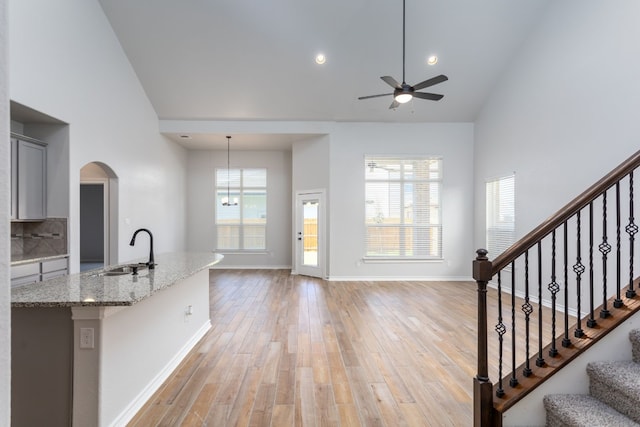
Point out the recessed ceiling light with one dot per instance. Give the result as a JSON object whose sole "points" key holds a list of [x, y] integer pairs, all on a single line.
{"points": [[432, 60], [320, 59], [185, 136]]}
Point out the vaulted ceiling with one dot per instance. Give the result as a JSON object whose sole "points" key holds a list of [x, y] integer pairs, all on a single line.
{"points": [[254, 59]]}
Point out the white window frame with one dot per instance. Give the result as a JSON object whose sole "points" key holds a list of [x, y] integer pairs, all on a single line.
{"points": [[238, 190], [414, 251]]}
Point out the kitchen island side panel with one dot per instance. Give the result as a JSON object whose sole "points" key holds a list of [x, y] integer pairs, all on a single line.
{"points": [[41, 366], [138, 347]]}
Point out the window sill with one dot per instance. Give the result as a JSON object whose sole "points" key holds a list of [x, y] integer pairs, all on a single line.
{"points": [[237, 252], [401, 260]]}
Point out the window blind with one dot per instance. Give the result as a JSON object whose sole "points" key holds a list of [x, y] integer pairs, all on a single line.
{"points": [[500, 199], [241, 209], [403, 207]]}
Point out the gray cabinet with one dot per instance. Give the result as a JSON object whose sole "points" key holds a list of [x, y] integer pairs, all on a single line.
{"points": [[24, 274], [28, 178], [14, 178]]}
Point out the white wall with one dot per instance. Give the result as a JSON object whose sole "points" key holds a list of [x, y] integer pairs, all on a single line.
{"points": [[350, 142], [201, 204], [310, 164], [565, 112], [5, 253], [310, 171], [66, 62]]}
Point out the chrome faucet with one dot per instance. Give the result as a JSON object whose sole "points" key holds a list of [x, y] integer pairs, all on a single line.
{"points": [[151, 264]]}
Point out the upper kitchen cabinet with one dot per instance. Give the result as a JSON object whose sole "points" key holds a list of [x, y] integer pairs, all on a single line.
{"points": [[40, 173], [28, 178]]}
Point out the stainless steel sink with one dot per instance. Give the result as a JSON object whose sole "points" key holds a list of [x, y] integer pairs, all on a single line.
{"points": [[122, 270]]}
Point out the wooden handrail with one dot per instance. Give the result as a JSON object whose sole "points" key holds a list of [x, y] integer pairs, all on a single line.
{"points": [[553, 222]]}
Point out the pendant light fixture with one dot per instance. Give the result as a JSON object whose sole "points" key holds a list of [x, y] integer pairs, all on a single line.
{"points": [[226, 201]]}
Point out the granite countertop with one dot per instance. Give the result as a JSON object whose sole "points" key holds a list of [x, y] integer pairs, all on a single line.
{"points": [[90, 289], [29, 259]]}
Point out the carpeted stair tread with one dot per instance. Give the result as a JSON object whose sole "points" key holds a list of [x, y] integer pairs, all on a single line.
{"points": [[575, 410], [616, 383], [623, 376], [634, 337]]}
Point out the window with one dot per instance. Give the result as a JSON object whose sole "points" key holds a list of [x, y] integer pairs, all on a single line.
{"points": [[402, 207], [501, 227], [241, 209]]}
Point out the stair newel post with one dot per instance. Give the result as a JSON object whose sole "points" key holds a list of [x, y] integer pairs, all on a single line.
{"points": [[482, 386]]}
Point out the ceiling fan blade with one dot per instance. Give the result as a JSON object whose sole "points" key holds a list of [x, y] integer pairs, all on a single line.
{"points": [[430, 82], [391, 82], [375, 96], [395, 104], [431, 96]]}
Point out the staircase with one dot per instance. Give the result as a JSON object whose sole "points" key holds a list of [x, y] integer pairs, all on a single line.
{"points": [[581, 260], [613, 399]]}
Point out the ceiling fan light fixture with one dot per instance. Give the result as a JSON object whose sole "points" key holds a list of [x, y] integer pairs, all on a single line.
{"points": [[403, 93], [403, 98]]}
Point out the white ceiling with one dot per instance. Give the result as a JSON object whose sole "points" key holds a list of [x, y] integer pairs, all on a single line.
{"points": [[254, 59]]}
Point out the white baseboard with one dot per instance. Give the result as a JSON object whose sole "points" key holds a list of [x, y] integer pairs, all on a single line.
{"points": [[250, 267], [399, 279], [146, 393]]}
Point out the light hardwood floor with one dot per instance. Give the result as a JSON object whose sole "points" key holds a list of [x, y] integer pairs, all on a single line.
{"points": [[297, 351]]}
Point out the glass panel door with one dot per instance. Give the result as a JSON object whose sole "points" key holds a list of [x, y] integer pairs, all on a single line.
{"points": [[310, 233], [309, 238]]}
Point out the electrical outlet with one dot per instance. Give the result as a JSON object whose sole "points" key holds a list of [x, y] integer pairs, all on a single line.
{"points": [[87, 338], [188, 312]]}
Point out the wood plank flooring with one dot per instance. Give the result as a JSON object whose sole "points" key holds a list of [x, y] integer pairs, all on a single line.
{"points": [[297, 351]]}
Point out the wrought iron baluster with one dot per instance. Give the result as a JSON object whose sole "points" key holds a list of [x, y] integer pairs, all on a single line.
{"points": [[591, 322], [540, 360], [513, 381], [553, 288], [617, 303], [631, 230], [566, 342], [578, 268], [604, 249], [527, 309], [501, 330]]}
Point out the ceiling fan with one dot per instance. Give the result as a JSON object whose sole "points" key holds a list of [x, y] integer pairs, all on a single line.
{"points": [[403, 93]]}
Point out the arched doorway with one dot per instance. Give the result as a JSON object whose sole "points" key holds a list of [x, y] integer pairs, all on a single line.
{"points": [[98, 216]]}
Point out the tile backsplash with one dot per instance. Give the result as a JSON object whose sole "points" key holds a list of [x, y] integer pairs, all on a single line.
{"points": [[37, 239]]}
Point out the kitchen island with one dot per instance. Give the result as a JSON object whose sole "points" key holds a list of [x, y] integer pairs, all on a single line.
{"points": [[91, 348]]}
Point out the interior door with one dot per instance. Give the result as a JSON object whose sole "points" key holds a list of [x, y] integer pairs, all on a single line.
{"points": [[310, 234]]}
